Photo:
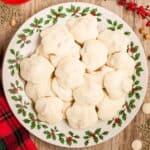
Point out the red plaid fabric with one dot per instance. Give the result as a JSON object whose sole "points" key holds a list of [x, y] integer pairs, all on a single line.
{"points": [[12, 135]]}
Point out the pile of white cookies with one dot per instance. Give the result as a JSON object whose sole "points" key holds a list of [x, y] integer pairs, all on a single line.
{"points": [[78, 74]]}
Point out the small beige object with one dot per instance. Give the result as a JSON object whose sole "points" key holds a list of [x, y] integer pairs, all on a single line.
{"points": [[147, 36], [146, 108], [13, 23], [136, 144]]}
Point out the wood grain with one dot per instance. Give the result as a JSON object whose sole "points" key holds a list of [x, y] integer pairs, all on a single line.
{"points": [[123, 140]]}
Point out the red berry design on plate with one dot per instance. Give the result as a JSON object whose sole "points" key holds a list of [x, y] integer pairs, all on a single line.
{"points": [[75, 11], [131, 49], [15, 90], [53, 133], [23, 38], [133, 90], [17, 61], [57, 15], [117, 120], [36, 25], [136, 66], [69, 138], [93, 13], [127, 106], [92, 134]]}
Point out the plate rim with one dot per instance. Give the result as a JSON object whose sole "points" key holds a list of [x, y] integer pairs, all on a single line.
{"points": [[126, 123]]}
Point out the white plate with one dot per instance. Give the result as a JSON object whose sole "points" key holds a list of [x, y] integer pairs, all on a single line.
{"points": [[24, 43]]}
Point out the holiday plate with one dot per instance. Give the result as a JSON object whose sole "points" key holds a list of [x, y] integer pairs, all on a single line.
{"points": [[24, 43]]}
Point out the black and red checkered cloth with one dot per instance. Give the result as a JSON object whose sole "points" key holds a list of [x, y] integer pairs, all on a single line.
{"points": [[12, 135]]}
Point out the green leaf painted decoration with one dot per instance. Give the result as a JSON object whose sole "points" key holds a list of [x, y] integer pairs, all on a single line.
{"points": [[55, 134], [96, 135], [14, 61], [136, 88], [113, 25]]}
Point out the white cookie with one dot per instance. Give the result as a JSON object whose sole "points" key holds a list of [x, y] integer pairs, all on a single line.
{"points": [[62, 93], [39, 51], [81, 116], [117, 83], [83, 28], [49, 109], [114, 40], [123, 61], [74, 52], [108, 108], [94, 54], [57, 40], [89, 93], [66, 105], [35, 91], [69, 72], [36, 69], [99, 75]]}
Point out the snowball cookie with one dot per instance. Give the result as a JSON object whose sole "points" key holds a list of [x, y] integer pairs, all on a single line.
{"points": [[108, 108], [62, 93], [49, 109], [36, 69], [94, 54], [114, 40], [89, 93], [99, 75], [39, 51], [74, 52], [69, 72], [117, 83], [66, 105], [136, 145], [83, 28], [122, 60], [81, 116], [35, 91], [57, 40], [146, 108]]}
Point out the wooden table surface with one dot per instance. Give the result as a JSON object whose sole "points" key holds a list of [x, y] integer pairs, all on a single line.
{"points": [[123, 140]]}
